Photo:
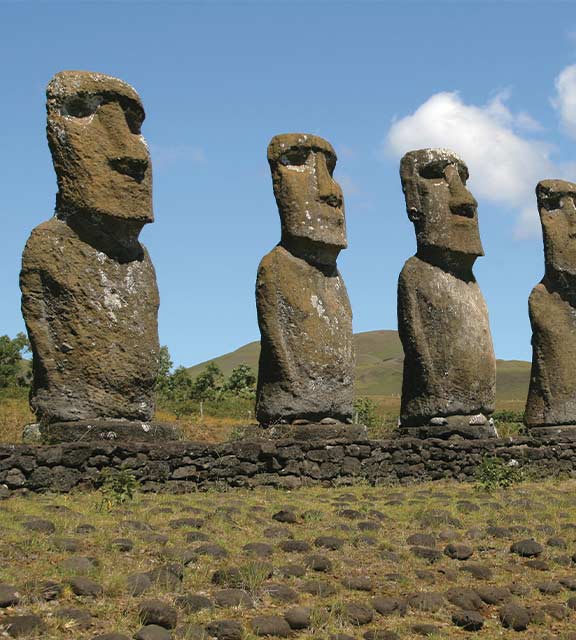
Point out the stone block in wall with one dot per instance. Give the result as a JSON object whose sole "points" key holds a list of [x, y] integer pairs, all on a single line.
{"points": [[187, 472], [351, 466], [14, 478], [289, 453], [73, 456]]}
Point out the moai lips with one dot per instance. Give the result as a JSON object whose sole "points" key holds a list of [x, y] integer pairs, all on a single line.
{"points": [[449, 365], [89, 294], [307, 361], [551, 404]]}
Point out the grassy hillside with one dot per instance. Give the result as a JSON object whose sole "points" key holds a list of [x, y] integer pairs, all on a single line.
{"points": [[379, 367]]}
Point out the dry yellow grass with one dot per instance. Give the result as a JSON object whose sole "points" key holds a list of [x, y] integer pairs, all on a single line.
{"points": [[206, 429], [14, 414]]}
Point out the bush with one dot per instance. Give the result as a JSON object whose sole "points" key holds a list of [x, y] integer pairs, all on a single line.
{"points": [[507, 416], [494, 473], [365, 412], [118, 487]]}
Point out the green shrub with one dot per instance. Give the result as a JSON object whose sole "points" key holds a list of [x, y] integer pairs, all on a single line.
{"points": [[507, 416], [118, 487], [365, 412], [494, 473]]}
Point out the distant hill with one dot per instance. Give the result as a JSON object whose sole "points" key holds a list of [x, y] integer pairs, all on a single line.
{"points": [[379, 359]]}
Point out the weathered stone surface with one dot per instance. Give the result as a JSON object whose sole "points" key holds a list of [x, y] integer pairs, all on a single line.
{"points": [[109, 429], [396, 460], [306, 364], [449, 365], [551, 403], [89, 294]]}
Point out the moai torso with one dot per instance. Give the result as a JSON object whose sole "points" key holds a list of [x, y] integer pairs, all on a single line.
{"points": [[89, 294], [449, 366], [551, 403], [93, 323], [306, 368], [307, 352], [449, 377]]}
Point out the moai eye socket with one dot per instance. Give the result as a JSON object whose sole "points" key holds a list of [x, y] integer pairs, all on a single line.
{"points": [[134, 118], [81, 106], [552, 202], [463, 173], [330, 162], [433, 171], [295, 157]]}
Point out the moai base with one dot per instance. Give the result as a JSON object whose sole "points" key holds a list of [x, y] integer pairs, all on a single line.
{"points": [[89, 294], [449, 378], [551, 405], [306, 369]]}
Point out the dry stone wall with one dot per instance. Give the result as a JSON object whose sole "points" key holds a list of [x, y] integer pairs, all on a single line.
{"points": [[287, 463]]}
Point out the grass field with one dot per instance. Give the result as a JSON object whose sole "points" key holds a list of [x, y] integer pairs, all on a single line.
{"points": [[384, 563]]}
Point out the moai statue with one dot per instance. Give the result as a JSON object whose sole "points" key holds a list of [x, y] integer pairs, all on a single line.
{"points": [[551, 404], [449, 377], [306, 369], [89, 294]]}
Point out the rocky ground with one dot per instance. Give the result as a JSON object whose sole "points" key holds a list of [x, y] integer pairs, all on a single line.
{"points": [[435, 560]]}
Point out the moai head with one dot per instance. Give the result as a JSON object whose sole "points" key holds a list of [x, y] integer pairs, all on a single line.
{"points": [[557, 208], [310, 202], [439, 204], [101, 160]]}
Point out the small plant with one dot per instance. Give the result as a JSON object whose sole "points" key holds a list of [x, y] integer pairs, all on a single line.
{"points": [[118, 487], [253, 576], [365, 412], [494, 473]]}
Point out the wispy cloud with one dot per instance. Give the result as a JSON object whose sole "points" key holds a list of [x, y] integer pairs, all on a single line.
{"points": [[565, 99], [349, 185], [163, 156]]}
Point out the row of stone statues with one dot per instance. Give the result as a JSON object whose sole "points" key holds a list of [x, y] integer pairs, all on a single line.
{"points": [[90, 300]]}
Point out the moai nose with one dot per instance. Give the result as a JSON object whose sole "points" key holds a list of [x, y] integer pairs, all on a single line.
{"points": [[328, 190], [462, 202], [125, 151]]}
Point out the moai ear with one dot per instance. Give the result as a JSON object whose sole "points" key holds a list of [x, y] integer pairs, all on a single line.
{"points": [[409, 180], [413, 214]]}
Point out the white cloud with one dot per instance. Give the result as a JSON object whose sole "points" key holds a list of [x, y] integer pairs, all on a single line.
{"points": [[565, 99], [504, 164]]}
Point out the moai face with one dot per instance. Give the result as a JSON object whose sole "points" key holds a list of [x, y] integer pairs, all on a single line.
{"points": [[310, 202], [557, 208], [442, 209], [100, 158]]}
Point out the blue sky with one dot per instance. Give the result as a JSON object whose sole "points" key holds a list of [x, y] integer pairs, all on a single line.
{"points": [[493, 80]]}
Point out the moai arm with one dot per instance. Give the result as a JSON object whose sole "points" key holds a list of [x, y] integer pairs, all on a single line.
{"points": [[540, 384], [269, 305], [413, 335], [33, 286]]}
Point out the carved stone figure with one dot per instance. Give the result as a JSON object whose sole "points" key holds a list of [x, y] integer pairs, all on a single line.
{"points": [[449, 375], [551, 404], [89, 294], [306, 368]]}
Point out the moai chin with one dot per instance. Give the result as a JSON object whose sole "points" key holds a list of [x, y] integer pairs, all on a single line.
{"points": [[306, 369], [551, 404], [449, 375], [89, 294]]}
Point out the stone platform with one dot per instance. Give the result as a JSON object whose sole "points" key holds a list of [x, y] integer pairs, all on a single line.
{"points": [[105, 429], [285, 462]]}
